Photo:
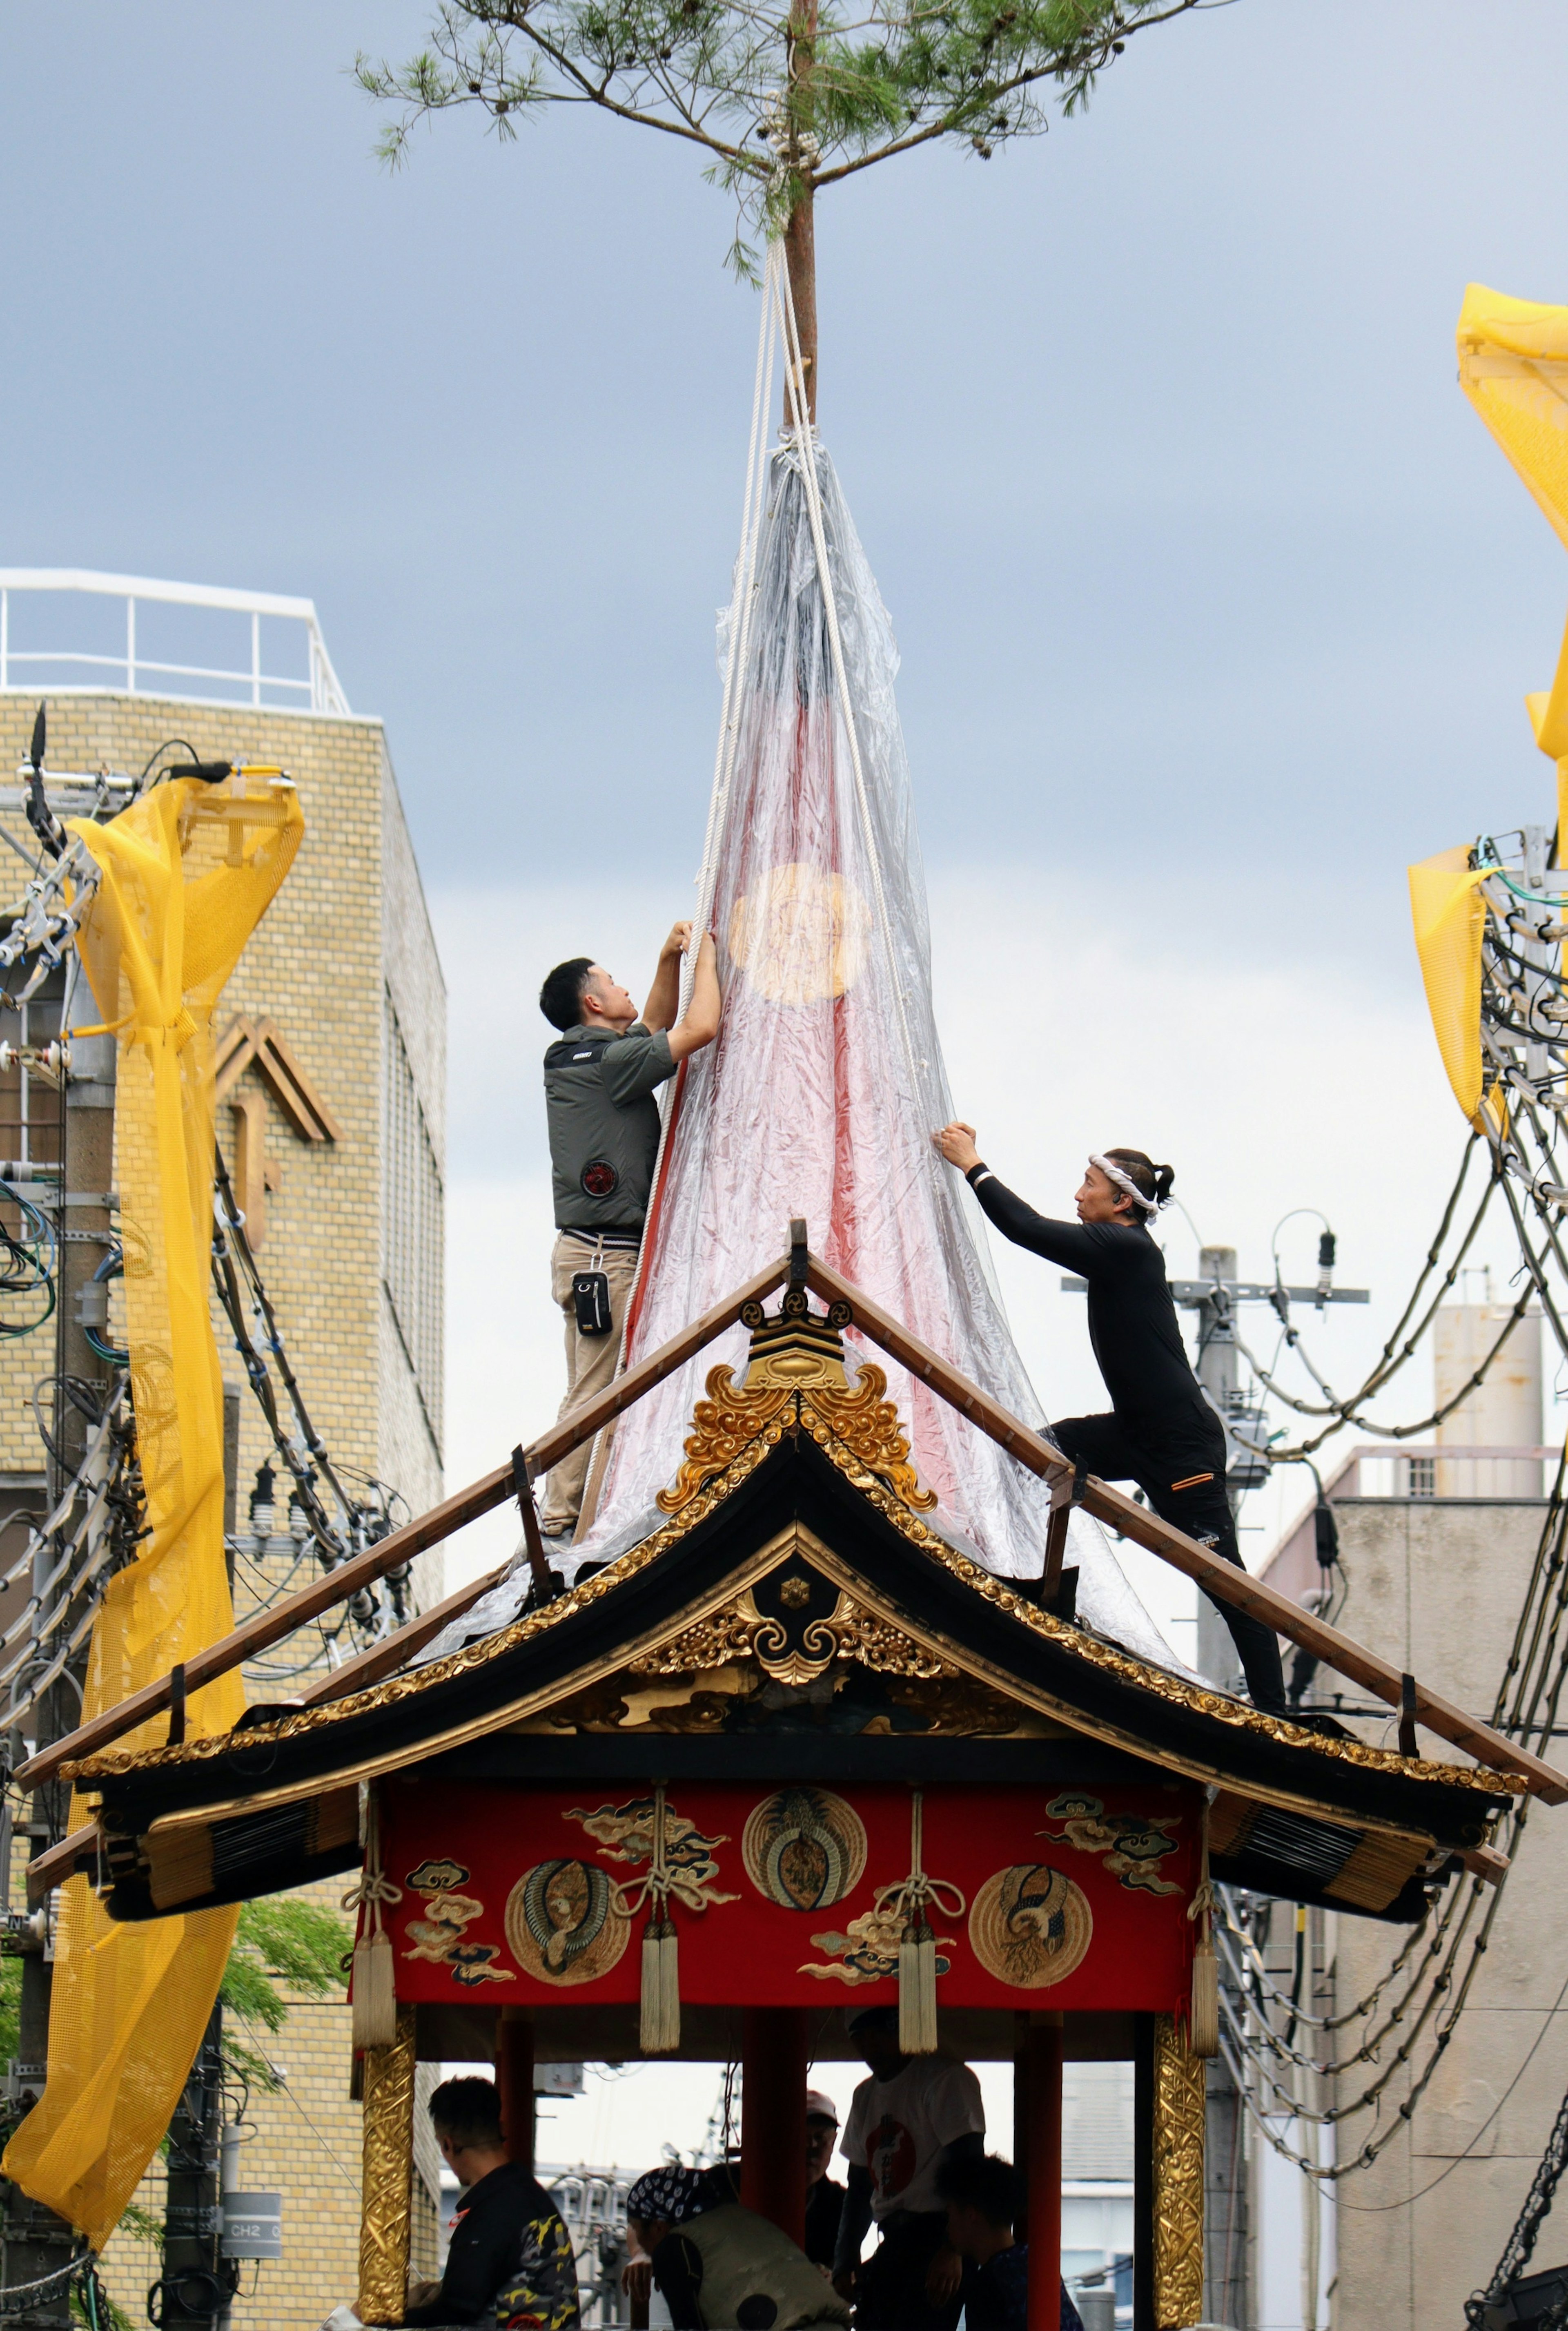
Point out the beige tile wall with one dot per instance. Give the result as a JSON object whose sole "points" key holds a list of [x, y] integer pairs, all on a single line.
{"points": [[350, 922]]}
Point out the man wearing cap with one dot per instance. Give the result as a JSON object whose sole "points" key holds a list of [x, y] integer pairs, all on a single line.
{"points": [[600, 1079], [913, 2116], [824, 2199]]}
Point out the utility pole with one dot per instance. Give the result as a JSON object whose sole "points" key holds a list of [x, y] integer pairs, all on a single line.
{"points": [[197, 2283], [35, 2242]]}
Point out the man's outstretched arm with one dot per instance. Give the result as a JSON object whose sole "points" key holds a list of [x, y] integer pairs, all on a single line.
{"points": [[665, 995], [700, 1025]]}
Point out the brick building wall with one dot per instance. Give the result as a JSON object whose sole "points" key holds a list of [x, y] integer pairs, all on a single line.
{"points": [[344, 965]]}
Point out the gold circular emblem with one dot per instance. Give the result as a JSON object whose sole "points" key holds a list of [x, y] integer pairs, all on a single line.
{"points": [[1030, 1926], [804, 1848], [800, 935], [562, 1924]]}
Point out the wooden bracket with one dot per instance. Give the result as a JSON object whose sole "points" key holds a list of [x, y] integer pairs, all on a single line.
{"points": [[1067, 1490], [177, 1705], [547, 1585], [1485, 1862], [1408, 1746]]}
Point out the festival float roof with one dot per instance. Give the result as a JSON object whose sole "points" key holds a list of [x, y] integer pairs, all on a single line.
{"points": [[803, 1614]]}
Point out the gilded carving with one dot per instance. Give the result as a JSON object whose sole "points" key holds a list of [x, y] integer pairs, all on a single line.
{"points": [[741, 1630], [388, 2168], [797, 1361], [1178, 2179], [722, 1426]]}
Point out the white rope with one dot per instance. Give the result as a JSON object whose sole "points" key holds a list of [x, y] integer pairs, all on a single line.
{"points": [[743, 597]]}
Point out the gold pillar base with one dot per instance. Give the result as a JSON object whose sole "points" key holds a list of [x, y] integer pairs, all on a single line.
{"points": [[388, 2176], [1178, 2178]]}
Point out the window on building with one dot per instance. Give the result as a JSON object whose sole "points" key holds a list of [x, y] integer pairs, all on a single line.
{"points": [[410, 1220], [1422, 1477]]}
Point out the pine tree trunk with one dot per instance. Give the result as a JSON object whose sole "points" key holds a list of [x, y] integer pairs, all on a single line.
{"points": [[800, 235], [800, 258]]}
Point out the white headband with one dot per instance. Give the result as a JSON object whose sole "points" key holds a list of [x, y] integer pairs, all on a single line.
{"points": [[1124, 1180]]}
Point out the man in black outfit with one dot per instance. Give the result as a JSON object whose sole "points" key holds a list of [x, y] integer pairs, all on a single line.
{"points": [[1162, 1431], [510, 2261]]}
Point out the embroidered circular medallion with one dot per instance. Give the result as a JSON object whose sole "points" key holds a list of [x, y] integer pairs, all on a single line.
{"points": [[800, 934], [804, 1848], [562, 1925], [1030, 1926]]}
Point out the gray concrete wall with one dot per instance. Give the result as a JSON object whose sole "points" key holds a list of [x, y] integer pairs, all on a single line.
{"points": [[1436, 1585]]}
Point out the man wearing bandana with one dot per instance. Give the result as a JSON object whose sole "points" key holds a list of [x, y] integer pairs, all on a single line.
{"points": [[718, 2266], [1162, 1431]]}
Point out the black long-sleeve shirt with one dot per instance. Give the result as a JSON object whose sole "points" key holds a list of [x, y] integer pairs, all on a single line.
{"points": [[509, 2239], [1132, 1320]]}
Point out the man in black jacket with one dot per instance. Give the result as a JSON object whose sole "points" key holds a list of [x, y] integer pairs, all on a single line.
{"points": [[1162, 1431], [510, 2262]]}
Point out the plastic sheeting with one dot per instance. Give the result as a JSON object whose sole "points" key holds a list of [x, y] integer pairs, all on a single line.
{"points": [[821, 1094]]}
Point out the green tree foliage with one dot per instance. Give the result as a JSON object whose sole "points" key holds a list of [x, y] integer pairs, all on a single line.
{"points": [[785, 98], [279, 1941]]}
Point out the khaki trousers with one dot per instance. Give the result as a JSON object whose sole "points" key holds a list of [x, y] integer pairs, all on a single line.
{"points": [[590, 1362]]}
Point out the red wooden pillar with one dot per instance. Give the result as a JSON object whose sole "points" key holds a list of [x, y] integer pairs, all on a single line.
{"points": [[773, 2116], [1038, 2120], [515, 2080]]}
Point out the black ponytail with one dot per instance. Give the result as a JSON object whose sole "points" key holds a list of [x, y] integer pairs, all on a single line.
{"points": [[1153, 1181]]}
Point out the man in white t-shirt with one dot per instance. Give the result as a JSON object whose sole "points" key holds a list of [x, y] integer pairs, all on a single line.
{"points": [[914, 2114]]}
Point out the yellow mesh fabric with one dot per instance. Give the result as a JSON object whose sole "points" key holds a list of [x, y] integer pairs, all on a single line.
{"points": [[1514, 369], [187, 871], [1450, 920]]}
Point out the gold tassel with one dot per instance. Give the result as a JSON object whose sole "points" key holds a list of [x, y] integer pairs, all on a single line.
{"points": [[374, 2023], [917, 1991], [661, 2025], [1203, 2023]]}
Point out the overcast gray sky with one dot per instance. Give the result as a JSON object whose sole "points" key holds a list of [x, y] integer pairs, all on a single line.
{"points": [[1217, 604], [1202, 566]]}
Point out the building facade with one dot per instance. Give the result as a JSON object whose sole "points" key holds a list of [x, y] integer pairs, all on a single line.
{"points": [[331, 1118]]}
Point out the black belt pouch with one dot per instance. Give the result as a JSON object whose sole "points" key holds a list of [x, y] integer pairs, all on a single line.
{"points": [[590, 1294]]}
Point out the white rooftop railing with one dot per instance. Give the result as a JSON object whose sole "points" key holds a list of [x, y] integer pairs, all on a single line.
{"points": [[28, 667]]}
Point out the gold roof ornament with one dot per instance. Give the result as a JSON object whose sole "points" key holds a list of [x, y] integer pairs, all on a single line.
{"points": [[797, 1363]]}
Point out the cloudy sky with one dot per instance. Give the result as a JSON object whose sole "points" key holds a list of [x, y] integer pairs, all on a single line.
{"points": [[1216, 602]]}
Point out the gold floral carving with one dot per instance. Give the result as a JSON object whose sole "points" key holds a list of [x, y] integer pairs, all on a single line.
{"points": [[721, 1427], [388, 2170], [740, 1630], [861, 1418], [1178, 2178]]}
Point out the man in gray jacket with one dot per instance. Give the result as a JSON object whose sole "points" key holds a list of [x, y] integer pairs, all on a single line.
{"points": [[600, 1079]]}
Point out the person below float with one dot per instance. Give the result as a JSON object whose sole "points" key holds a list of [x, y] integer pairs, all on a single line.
{"points": [[824, 2195], [984, 2205], [719, 2267], [914, 2114], [600, 1080], [510, 2262], [1162, 1431]]}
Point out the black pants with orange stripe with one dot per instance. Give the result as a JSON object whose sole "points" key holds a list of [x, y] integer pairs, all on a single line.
{"points": [[1182, 1476]]}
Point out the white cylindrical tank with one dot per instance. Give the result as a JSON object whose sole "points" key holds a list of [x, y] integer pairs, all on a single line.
{"points": [[1503, 1412]]}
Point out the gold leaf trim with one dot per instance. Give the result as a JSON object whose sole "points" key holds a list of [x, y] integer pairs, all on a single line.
{"points": [[1178, 2165]]}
